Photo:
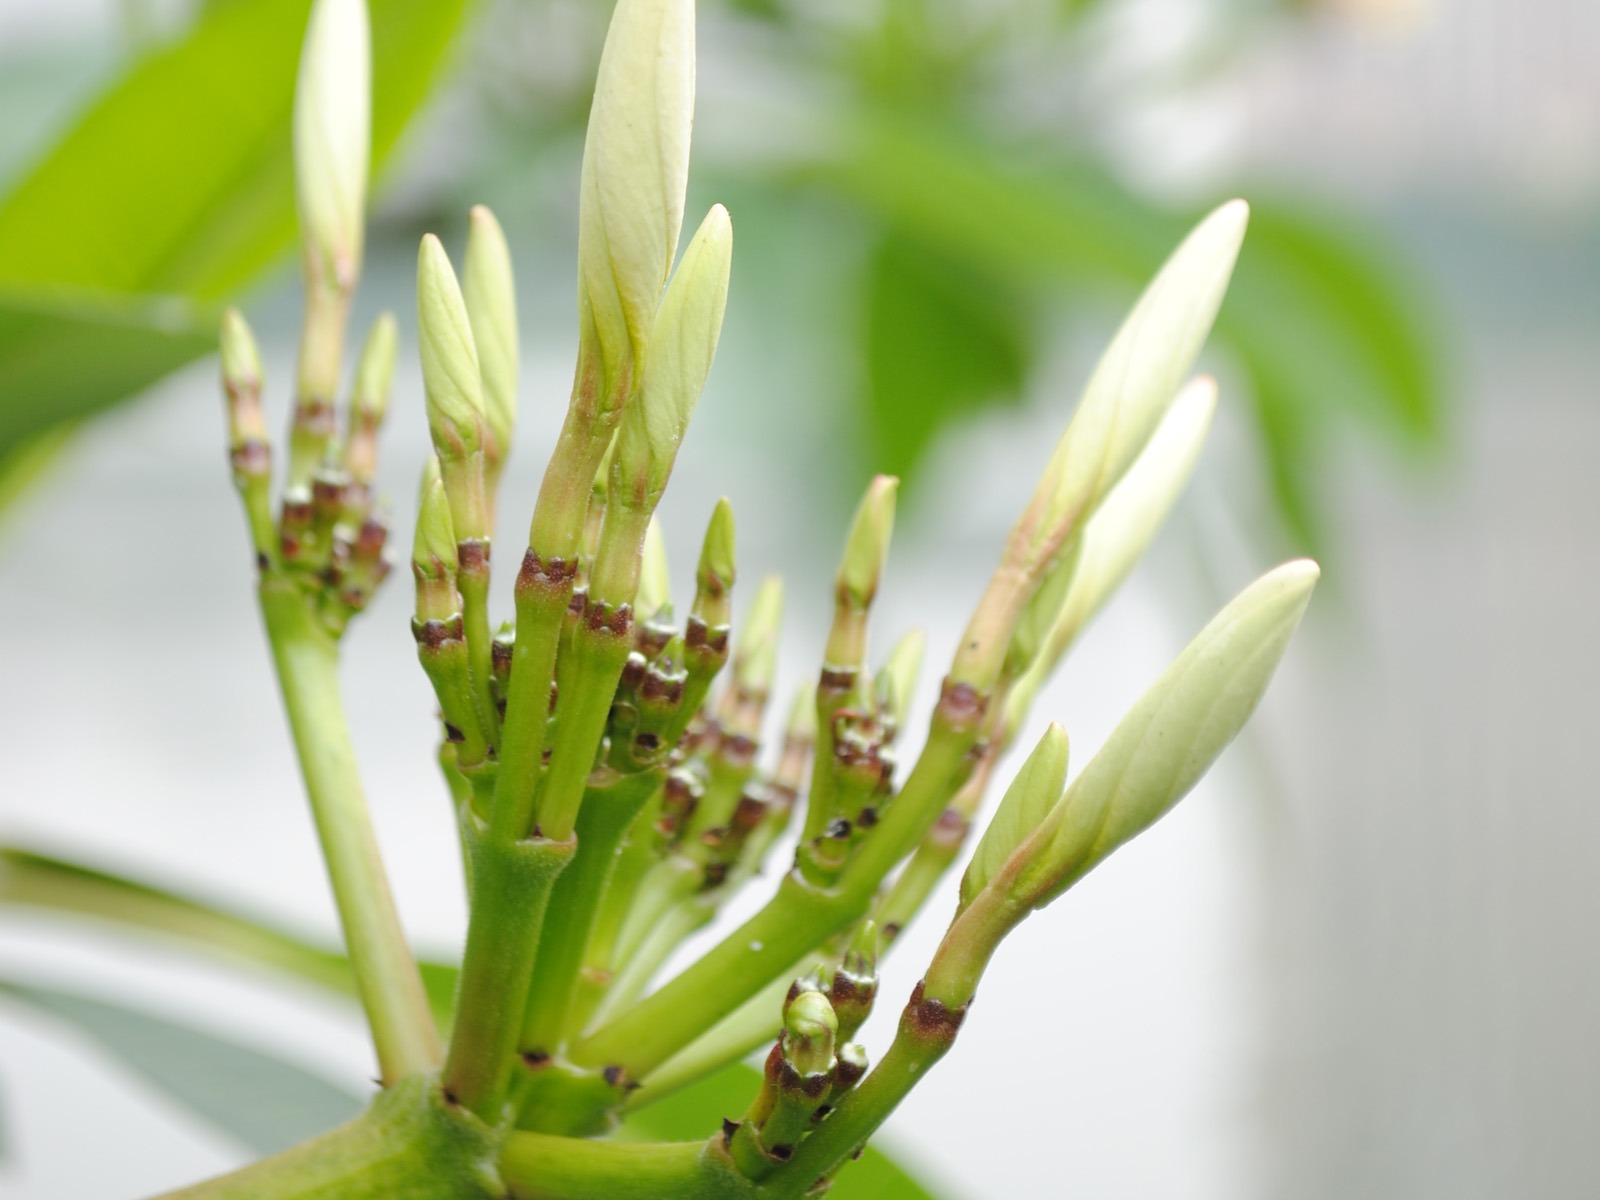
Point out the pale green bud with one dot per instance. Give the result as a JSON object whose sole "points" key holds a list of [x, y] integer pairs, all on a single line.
{"points": [[433, 554], [655, 580], [491, 298], [241, 357], [635, 172], [1091, 568], [1170, 738], [332, 138], [867, 546], [375, 371], [1032, 794], [809, 1029], [1122, 528], [717, 559], [682, 348], [1137, 377], [450, 374]]}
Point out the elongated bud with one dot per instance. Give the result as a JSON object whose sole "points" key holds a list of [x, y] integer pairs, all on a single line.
{"points": [[1114, 539], [433, 554], [450, 372], [1126, 398], [491, 299], [714, 576], [1032, 794], [860, 570], [635, 172], [897, 679], [1170, 738], [370, 402], [332, 139], [655, 581], [241, 378], [683, 344], [1136, 379]]}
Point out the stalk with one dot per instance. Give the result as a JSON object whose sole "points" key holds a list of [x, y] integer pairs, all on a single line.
{"points": [[386, 973], [538, 1166]]}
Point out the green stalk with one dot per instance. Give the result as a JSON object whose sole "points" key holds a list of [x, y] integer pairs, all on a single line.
{"points": [[511, 885], [408, 1146], [603, 821], [538, 1166], [386, 973]]}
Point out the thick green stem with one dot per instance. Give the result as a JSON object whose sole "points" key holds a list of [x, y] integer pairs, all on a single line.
{"points": [[511, 885], [386, 973], [538, 1166], [408, 1146], [602, 822]]}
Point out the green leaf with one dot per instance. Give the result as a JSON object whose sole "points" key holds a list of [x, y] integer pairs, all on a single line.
{"points": [[265, 1103], [176, 181], [65, 355], [697, 1111], [55, 885], [943, 340]]}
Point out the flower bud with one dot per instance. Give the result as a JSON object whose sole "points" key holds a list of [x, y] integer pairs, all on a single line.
{"points": [[860, 571], [809, 1031], [370, 403], [489, 292], [1032, 794], [1170, 738], [332, 139], [635, 173], [433, 553], [714, 576], [683, 344], [755, 652], [450, 374]]}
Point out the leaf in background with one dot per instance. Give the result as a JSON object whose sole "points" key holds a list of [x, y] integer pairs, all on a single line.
{"points": [[177, 181], [1320, 316], [697, 1111], [264, 1102], [55, 885], [66, 355], [944, 340]]}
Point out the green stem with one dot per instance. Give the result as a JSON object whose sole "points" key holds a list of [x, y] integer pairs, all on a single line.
{"points": [[602, 822], [538, 1166], [407, 1146], [386, 973], [511, 885]]}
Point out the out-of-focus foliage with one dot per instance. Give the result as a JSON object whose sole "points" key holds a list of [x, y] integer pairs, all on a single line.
{"points": [[168, 193]]}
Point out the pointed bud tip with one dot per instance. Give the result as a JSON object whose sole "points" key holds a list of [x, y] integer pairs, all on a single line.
{"points": [[241, 357], [717, 560]]}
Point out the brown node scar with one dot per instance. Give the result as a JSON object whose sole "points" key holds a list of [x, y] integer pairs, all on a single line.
{"points": [[473, 554], [837, 679], [603, 618], [535, 572], [932, 1020], [961, 704]]}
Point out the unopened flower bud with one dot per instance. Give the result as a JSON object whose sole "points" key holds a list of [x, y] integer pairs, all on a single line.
{"points": [[635, 172], [332, 139], [683, 344], [491, 299]]}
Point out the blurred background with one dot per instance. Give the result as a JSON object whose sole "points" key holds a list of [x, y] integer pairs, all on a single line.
{"points": [[1358, 961]]}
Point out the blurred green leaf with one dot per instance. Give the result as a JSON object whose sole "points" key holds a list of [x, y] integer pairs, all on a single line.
{"points": [[176, 181], [1319, 316], [65, 355], [697, 1111], [943, 340], [264, 1102], [52, 884]]}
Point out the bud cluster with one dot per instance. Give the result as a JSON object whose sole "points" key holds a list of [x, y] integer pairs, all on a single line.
{"points": [[612, 784]]}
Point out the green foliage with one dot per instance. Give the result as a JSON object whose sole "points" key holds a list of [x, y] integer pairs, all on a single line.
{"points": [[176, 181], [263, 1102]]}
